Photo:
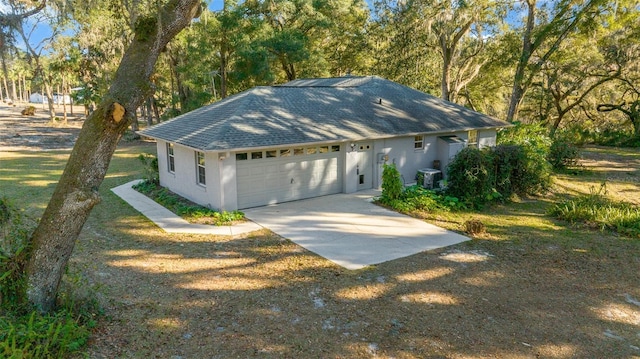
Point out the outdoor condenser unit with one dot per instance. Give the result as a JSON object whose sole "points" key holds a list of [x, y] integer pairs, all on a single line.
{"points": [[431, 177]]}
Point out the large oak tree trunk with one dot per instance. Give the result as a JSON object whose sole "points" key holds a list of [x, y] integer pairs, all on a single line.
{"points": [[77, 191], [517, 94]]}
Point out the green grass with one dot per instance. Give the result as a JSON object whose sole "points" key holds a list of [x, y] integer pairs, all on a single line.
{"points": [[28, 179], [513, 231], [597, 210]]}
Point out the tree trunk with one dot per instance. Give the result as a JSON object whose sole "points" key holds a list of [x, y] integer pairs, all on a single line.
{"points": [[77, 190], [14, 93], [64, 102], [527, 47], [446, 71], [149, 112], [47, 90], [154, 104]]}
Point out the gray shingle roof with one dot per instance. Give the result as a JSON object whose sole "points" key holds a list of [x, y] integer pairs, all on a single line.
{"points": [[317, 110]]}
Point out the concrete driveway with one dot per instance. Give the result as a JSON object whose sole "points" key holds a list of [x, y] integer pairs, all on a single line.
{"points": [[350, 231]]}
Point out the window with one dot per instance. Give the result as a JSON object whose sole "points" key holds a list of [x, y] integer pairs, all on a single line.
{"points": [[323, 149], [298, 151], [241, 156], [271, 154], [311, 150], [472, 138], [335, 148], [171, 159], [418, 142], [285, 152], [202, 180], [256, 155]]}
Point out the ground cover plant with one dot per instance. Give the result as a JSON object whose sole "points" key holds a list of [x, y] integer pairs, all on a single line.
{"points": [[192, 212], [528, 285], [25, 333], [597, 210]]}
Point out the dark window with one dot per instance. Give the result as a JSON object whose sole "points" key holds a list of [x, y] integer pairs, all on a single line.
{"points": [[256, 155], [202, 178], [418, 142], [171, 160], [241, 156]]}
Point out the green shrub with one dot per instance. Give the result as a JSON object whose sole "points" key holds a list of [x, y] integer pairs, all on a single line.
{"points": [[15, 229], [43, 336], [418, 198], [392, 185], [25, 333], [534, 174], [508, 169], [597, 210], [470, 177], [150, 172], [563, 154]]}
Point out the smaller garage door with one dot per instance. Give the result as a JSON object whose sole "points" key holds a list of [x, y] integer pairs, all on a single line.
{"points": [[288, 174]]}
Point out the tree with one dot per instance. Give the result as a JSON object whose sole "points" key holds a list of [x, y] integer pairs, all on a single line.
{"points": [[77, 190], [576, 69], [456, 31], [540, 41], [623, 47]]}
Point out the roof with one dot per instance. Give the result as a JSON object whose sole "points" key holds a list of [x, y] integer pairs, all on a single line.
{"points": [[317, 110]]}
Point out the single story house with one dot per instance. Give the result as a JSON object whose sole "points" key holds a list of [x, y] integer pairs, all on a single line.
{"points": [[58, 99], [309, 138]]}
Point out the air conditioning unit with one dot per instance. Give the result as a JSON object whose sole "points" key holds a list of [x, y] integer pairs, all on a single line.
{"points": [[430, 177]]}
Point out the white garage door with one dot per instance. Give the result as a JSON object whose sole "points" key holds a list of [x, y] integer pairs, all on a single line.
{"points": [[288, 174]]}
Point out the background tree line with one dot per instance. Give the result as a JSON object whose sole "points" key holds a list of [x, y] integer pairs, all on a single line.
{"points": [[567, 64]]}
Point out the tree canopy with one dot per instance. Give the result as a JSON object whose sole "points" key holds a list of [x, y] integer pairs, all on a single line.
{"points": [[562, 63]]}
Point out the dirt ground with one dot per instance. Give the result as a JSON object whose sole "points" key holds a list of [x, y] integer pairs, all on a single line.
{"points": [[37, 132], [535, 290]]}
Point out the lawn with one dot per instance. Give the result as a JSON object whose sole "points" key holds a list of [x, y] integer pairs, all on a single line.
{"points": [[531, 286]]}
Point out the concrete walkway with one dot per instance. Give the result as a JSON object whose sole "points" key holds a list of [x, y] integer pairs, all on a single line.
{"points": [[170, 222], [346, 229]]}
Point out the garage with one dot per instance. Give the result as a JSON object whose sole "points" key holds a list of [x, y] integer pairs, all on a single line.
{"points": [[288, 174]]}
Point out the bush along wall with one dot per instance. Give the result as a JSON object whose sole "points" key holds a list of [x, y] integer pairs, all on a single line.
{"points": [[480, 176]]}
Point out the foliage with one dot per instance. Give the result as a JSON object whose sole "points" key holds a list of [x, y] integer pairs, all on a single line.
{"points": [[597, 210], [15, 229], [535, 172], [185, 208], [563, 154], [25, 333], [470, 177], [517, 166], [150, 171], [44, 336], [391, 183], [417, 198]]}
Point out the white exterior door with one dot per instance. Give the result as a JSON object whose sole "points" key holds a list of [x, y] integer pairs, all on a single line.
{"points": [[288, 174], [364, 168]]}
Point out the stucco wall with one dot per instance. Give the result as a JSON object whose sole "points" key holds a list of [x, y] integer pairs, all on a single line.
{"points": [[487, 138], [221, 189], [401, 152], [183, 180]]}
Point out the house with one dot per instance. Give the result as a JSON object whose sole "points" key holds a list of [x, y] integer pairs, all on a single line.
{"points": [[310, 138], [37, 98], [58, 99]]}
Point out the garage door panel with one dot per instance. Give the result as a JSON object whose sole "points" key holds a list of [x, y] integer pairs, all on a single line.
{"points": [[273, 180]]}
